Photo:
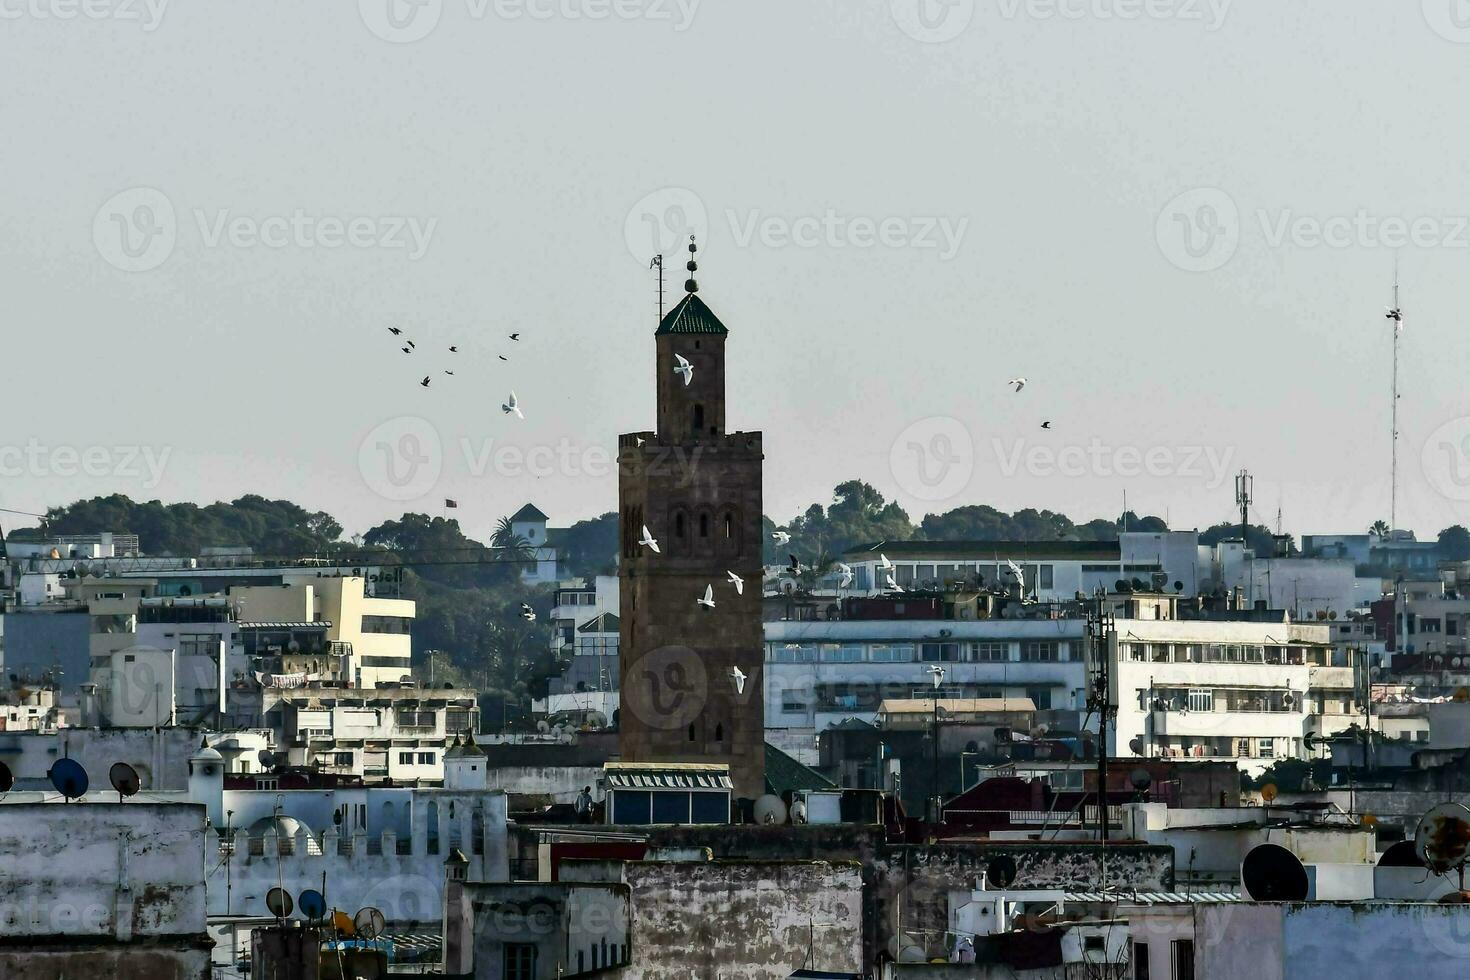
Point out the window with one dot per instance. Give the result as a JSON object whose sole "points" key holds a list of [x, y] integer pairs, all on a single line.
{"points": [[1266, 749], [1140, 961], [793, 653], [342, 758], [1040, 696], [520, 961], [1184, 959], [833, 654], [939, 652], [698, 417], [405, 758], [988, 652], [387, 624], [891, 654], [426, 758], [1201, 700], [704, 525], [1039, 651], [793, 700]]}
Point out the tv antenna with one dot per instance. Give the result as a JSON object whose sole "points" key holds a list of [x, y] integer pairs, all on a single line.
{"points": [[1395, 316], [657, 262]]}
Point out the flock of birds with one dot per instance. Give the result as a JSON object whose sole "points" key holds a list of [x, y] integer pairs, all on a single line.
{"points": [[511, 406]]}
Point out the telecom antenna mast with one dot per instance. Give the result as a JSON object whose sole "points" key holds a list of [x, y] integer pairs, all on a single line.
{"points": [[1244, 485], [658, 263], [1396, 317]]}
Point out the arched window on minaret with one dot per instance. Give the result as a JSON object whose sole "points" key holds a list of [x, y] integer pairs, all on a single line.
{"points": [[691, 731], [698, 418], [719, 733]]}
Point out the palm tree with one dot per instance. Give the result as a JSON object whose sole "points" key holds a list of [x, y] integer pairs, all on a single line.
{"points": [[1379, 528], [512, 546]]}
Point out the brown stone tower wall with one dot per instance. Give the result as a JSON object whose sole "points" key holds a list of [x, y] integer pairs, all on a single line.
{"points": [[699, 493]]}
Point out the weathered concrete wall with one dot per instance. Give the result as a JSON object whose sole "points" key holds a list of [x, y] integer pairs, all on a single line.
{"points": [[102, 890], [101, 870], [160, 756], [561, 783], [909, 886], [138, 961], [743, 920], [1340, 940]]}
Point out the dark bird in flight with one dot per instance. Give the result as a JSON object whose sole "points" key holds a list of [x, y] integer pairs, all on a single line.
{"points": [[450, 373], [454, 350], [502, 357], [515, 336], [412, 344], [394, 331], [425, 382], [407, 351], [1046, 425]]}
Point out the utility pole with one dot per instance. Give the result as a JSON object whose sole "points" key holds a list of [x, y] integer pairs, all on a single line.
{"points": [[1101, 628], [1395, 316]]}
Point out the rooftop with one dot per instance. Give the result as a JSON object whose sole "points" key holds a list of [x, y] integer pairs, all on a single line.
{"points": [[691, 315], [995, 550]]}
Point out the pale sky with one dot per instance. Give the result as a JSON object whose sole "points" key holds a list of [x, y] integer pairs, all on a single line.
{"points": [[214, 211]]}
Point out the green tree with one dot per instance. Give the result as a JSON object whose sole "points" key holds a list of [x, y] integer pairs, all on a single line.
{"points": [[1454, 543], [1380, 528], [589, 547]]}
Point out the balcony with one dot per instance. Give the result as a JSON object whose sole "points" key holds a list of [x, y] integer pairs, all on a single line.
{"points": [[1228, 724]]}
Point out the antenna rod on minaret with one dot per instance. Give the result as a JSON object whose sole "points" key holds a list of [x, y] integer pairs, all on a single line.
{"points": [[658, 263], [1396, 314]]}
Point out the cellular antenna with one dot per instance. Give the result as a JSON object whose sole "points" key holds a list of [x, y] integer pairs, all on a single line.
{"points": [[1244, 487], [1395, 316]]}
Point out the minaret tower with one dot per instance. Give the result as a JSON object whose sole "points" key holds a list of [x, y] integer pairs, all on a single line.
{"points": [[691, 675]]}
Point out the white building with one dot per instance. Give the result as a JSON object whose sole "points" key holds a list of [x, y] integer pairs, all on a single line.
{"points": [[529, 524], [819, 674], [1246, 692], [393, 733]]}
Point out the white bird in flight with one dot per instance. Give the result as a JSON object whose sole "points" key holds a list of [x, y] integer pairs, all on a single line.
{"points": [[512, 407], [1016, 571], [1018, 382], [781, 538], [893, 586], [738, 676], [736, 581], [708, 600], [648, 541], [845, 571], [884, 563], [527, 613], [684, 369]]}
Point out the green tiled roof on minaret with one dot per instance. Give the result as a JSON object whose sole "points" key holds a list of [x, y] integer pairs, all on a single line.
{"points": [[691, 315]]}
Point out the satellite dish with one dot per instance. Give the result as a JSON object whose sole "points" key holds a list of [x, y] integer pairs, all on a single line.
{"points": [[69, 778], [1271, 873], [1442, 838], [1135, 745], [1141, 779], [1001, 871], [1269, 792], [267, 758], [7, 779], [543, 726], [1401, 855], [770, 810], [312, 904], [278, 900], [798, 812], [369, 923], [596, 719], [124, 779]]}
